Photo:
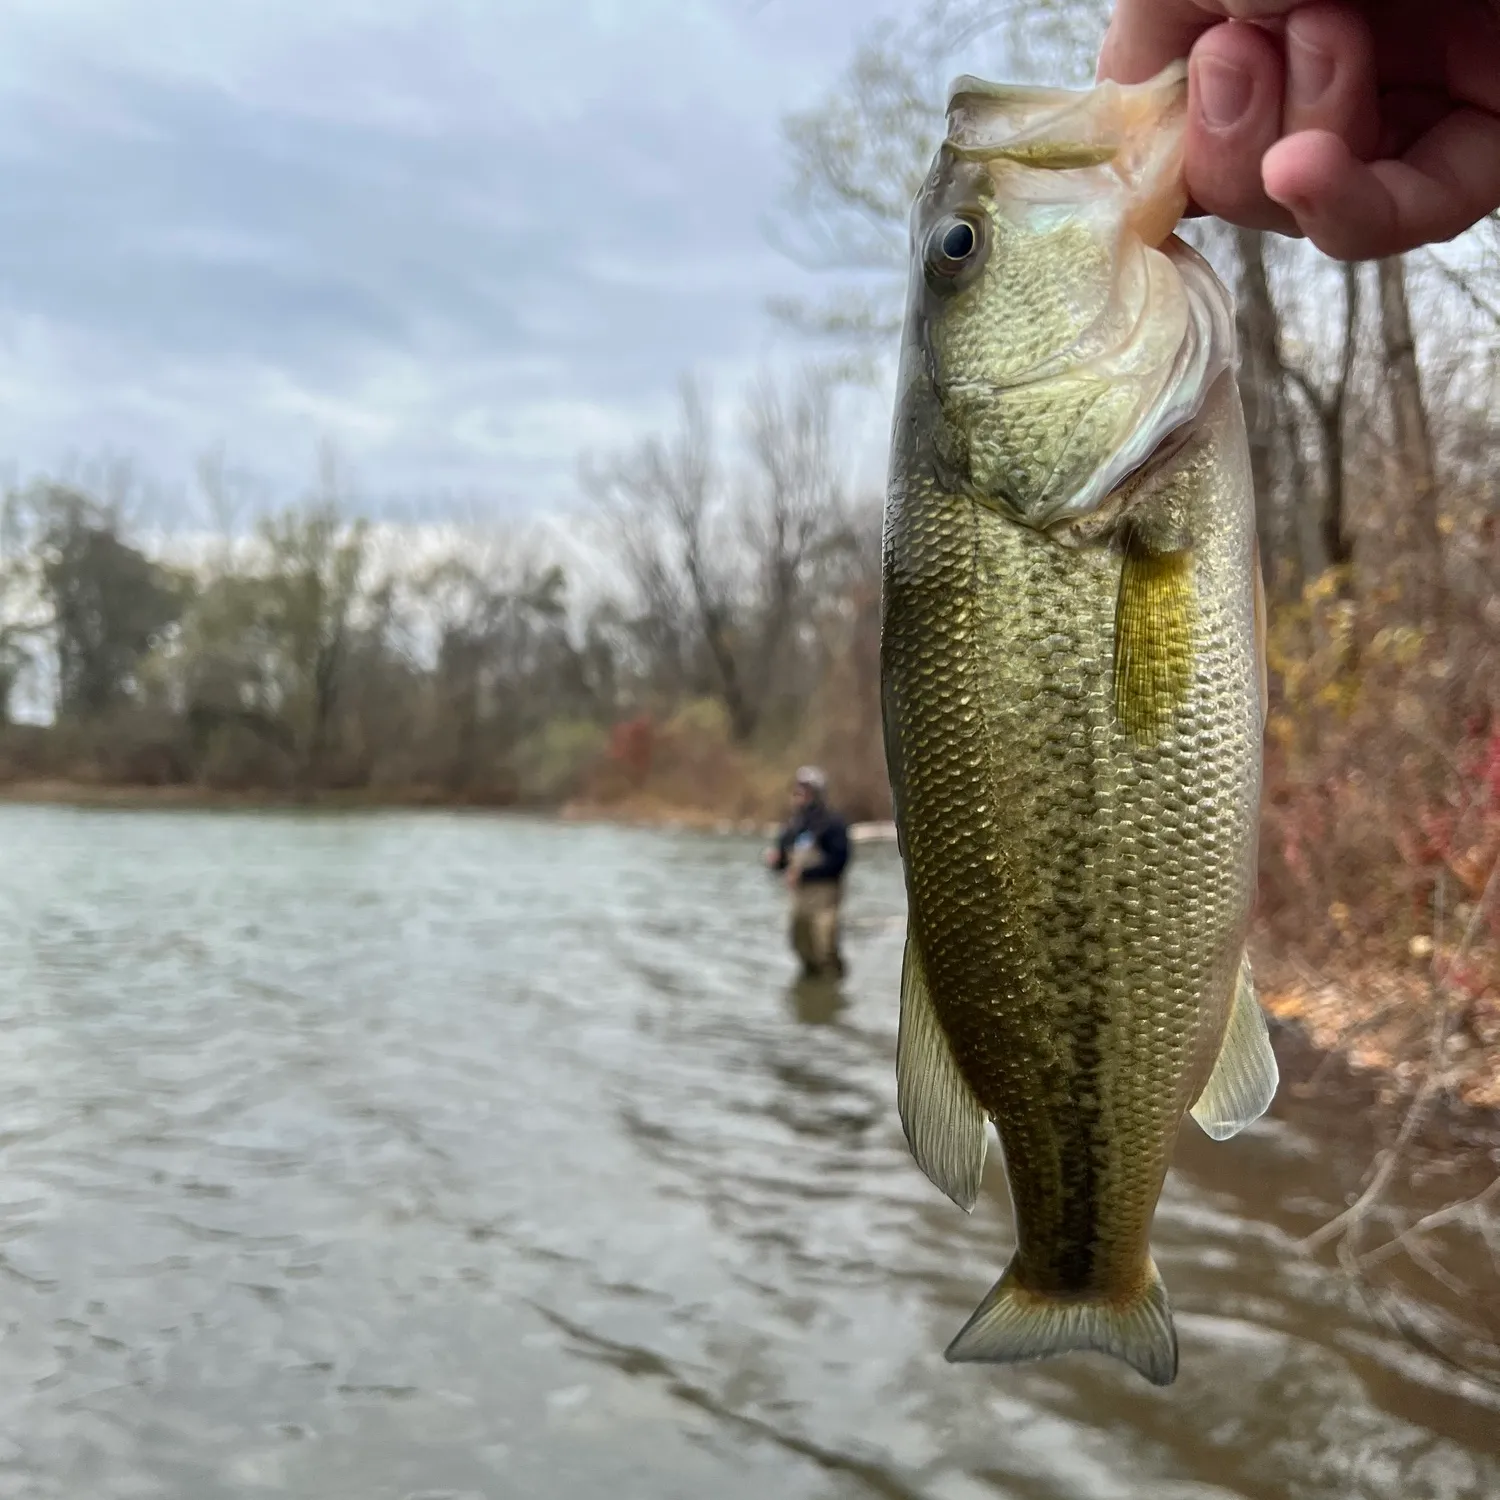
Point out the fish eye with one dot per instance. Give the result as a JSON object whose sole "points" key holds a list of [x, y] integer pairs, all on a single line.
{"points": [[954, 246], [959, 241]]}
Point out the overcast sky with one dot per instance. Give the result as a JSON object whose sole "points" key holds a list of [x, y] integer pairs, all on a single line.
{"points": [[461, 239]]}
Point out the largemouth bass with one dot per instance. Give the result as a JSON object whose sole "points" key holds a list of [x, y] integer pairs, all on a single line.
{"points": [[1074, 693]]}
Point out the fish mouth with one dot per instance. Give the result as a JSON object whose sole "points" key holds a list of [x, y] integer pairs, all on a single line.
{"points": [[966, 84], [1135, 131], [999, 117]]}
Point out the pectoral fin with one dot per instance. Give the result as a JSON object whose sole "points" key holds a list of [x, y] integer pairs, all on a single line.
{"points": [[943, 1121], [1154, 618], [1243, 1082]]}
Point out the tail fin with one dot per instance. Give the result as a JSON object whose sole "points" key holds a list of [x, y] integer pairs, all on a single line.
{"points": [[1013, 1324]]}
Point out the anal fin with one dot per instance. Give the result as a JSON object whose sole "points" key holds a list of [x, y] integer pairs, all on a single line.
{"points": [[1244, 1079], [943, 1120], [1013, 1324]]}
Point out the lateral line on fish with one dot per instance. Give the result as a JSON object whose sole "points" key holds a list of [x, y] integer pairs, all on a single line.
{"points": [[1079, 1133]]}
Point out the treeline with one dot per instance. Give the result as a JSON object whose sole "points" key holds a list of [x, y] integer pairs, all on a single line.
{"points": [[320, 653]]}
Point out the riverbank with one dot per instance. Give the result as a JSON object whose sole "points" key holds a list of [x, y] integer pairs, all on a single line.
{"points": [[1391, 1025], [641, 813], [628, 814], [63, 793]]}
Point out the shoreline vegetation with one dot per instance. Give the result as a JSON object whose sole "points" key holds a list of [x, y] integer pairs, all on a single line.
{"points": [[1382, 1021]]}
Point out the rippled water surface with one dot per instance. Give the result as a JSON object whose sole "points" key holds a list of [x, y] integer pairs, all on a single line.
{"points": [[429, 1156]]}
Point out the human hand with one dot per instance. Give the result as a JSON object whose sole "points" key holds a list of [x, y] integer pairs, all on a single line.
{"points": [[1370, 126]]}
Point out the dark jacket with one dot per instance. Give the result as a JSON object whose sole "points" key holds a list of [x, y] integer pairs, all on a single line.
{"points": [[828, 831]]}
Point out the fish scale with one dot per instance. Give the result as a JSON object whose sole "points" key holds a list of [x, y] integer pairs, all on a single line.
{"points": [[1072, 721]]}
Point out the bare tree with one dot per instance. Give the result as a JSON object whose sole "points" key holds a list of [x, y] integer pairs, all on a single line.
{"points": [[1322, 531], [721, 565], [666, 503], [1416, 467], [1275, 456], [794, 514]]}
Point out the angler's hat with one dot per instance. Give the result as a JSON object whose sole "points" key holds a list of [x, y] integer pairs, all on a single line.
{"points": [[812, 778]]}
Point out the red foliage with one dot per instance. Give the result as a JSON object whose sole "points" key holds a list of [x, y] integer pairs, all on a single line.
{"points": [[632, 744]]}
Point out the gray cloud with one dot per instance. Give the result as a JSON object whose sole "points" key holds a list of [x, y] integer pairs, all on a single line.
{"points": [[459, 241]]}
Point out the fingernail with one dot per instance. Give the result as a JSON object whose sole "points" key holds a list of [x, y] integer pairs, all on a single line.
{"points": [[1294, 203], [1223, 92], [1309, 71]]}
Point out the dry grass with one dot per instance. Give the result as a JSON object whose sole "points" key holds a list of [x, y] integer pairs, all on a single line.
{"points": [[1380, 1021]]}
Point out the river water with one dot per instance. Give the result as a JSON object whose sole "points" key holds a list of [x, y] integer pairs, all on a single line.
{"points": [[430, 1156]]}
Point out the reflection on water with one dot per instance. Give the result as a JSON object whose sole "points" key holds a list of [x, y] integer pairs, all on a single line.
{"points": [[816, 1000], [433, 1156]]}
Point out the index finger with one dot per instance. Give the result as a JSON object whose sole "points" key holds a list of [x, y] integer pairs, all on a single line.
{"points": [[1145, 35], [1448, 181]]}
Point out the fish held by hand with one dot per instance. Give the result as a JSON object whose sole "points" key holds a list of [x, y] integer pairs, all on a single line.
{"points": [[1073, 687]]}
